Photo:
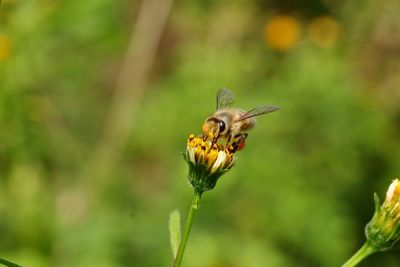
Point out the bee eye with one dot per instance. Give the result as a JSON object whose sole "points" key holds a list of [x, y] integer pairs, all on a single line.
{"points": [[222, 126]]}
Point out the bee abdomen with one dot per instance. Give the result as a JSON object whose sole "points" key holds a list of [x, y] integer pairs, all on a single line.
{"points": [[247, 124]]}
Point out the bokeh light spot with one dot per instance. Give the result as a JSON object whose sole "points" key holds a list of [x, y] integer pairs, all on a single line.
{"points": [[282, 32], [5, 47], [324, 31]]}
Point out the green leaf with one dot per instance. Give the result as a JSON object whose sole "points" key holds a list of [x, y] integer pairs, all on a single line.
{"points": [[8, 263], [174, 231]]}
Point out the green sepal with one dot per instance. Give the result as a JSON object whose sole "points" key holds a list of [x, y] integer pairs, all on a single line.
{"points": [[201, 178], [376, 201]]}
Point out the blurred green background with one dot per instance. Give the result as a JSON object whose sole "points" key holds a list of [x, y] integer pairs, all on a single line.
{"points": [[98, 97]]}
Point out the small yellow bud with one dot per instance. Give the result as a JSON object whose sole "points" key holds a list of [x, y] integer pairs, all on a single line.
{"points": [[383, 231]]}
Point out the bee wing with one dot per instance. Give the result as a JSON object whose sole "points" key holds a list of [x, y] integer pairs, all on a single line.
{"points": [[260, 110], [225, 98]]}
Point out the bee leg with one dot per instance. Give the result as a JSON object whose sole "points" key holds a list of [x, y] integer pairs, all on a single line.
{"points": [[229, 139], [236, 140], [242, 142], [241, 145], [233, 148]]}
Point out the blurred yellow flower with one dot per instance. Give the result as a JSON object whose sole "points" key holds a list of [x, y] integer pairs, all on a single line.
{"points": [[282, 32], [324, 31], [5, 47]]}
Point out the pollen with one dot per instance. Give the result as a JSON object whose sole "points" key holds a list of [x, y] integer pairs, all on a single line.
{"points": [[208, 153]]}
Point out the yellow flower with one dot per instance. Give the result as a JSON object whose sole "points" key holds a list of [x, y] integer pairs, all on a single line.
{"points": [[282, 32], [207, 162], [383, 231]]}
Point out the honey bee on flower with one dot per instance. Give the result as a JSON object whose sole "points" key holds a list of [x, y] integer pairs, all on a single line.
{"points": [[212, 153], [229, 126]]}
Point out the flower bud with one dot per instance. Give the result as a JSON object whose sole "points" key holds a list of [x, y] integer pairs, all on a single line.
{"points": [[207, 162], [383, 231]]}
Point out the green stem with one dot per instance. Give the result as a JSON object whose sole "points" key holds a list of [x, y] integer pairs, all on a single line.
{"points": [[188, 226], [8, 263], [366, 250]]}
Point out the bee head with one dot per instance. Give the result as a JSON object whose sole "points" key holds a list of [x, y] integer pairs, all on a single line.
{"points": [[213, 128]]}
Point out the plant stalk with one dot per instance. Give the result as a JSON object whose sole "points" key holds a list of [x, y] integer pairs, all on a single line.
{"points": [[366, 250], [188, 226]]}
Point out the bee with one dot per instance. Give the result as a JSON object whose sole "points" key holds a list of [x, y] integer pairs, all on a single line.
{"points": [[228, 126]]}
